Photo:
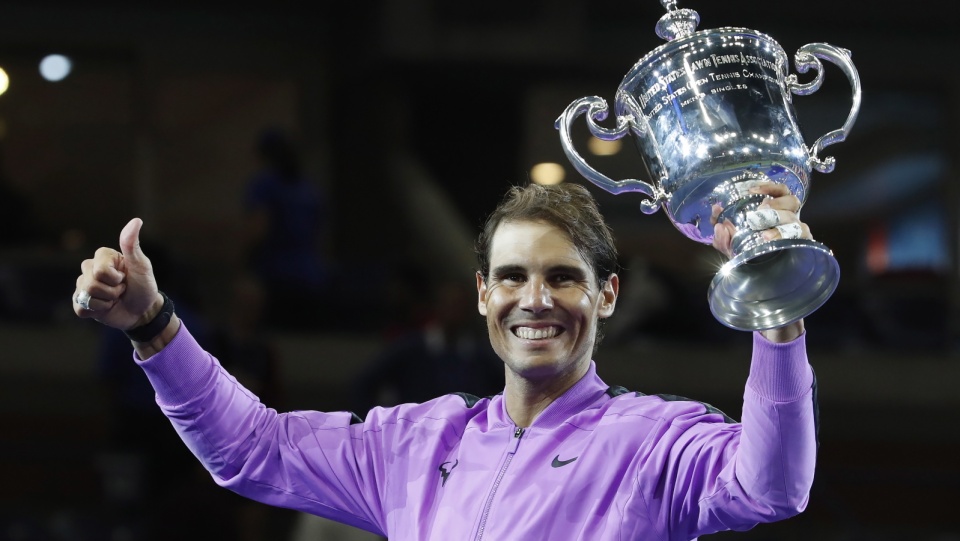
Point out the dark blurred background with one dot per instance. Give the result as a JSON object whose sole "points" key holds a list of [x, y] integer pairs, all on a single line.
{"points": [[361, 144]]}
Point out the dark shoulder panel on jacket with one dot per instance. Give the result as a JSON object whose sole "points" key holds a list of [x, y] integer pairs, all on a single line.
{"points": [[616, 390], [468, 399]]}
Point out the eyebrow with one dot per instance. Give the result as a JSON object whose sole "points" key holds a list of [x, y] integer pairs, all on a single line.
{"points": [[553, 269], [506, 269]]}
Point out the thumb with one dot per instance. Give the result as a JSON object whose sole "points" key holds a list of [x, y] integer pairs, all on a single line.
{"points": [[130, 240]]}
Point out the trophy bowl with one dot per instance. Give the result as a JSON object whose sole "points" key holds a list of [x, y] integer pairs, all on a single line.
{"points": [[711, 113]]}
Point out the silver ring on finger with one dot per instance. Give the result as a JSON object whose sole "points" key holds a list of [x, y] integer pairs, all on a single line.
{"points": [[791, 230], [83, 299]]}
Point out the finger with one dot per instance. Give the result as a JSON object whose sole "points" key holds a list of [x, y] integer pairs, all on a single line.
{"points": [[768, 187], [104, 267], [86, 305], [88, 287], [792, 230], [81, 301], [715, 211], [130, 240], [105, 292], [762, 218], [787, 202], [723, 238], [765, 217]]}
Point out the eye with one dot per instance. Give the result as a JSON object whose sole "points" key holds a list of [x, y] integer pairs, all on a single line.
{"points": [[513, 277], [565, 278]]}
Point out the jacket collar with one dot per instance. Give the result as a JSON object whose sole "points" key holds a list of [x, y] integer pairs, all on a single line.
{"points": [[581, 395]]}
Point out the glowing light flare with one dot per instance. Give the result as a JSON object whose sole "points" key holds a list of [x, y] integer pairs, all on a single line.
{"points": [[547, 173], [4, 81], [721, 137], [55, 67], [599, 147], [769, 139]]}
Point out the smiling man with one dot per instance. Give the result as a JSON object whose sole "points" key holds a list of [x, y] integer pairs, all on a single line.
{"points": [[543, 298], [559, 455]]}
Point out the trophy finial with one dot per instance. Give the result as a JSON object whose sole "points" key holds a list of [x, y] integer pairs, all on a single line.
{"points": [[677, 23]]}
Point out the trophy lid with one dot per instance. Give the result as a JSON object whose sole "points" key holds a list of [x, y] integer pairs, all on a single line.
{"points": [[677, 23]]}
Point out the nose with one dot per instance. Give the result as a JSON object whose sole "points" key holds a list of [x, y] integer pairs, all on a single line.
{"points": [[536, 296]]}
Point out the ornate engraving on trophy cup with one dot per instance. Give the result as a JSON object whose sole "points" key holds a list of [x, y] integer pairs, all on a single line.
{"points": [[711, 113]]}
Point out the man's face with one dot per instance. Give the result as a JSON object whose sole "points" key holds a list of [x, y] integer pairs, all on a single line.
{"points": [[541, 301]]}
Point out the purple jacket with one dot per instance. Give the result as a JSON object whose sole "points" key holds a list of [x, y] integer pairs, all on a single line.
{"points": [[597, 464]]}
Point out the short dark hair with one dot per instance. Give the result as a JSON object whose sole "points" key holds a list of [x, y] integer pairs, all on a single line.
{"points": [[569, 207]]}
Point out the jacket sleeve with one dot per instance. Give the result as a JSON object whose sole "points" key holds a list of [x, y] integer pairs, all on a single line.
{"points": [[713, 476], [314, 462]]}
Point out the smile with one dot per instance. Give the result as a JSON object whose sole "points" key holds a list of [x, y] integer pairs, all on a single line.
{"points": [[541, 333]]}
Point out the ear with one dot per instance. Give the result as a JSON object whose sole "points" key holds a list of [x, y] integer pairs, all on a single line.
{"points": [[481, 295], [608, 296]]}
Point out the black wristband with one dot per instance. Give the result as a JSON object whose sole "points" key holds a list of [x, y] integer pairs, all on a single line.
{"points": [[149, 331]]}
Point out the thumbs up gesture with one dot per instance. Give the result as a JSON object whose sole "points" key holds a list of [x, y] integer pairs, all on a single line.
{"points": [[118, 289]]}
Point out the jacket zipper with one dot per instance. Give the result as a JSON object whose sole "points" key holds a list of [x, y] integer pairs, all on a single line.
{"points": [[517, 434]]}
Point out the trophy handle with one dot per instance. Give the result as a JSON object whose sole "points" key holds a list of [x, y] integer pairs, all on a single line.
{"points": [[596, 109], [808, 57]]}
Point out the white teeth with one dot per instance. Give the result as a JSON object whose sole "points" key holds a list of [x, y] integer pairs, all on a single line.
{"points": [[528, 333]]}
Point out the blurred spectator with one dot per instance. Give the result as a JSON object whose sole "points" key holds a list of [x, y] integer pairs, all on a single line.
{"points": [[242, 345], [405, 308], [286, 224], [658, 305], [448, 353]]}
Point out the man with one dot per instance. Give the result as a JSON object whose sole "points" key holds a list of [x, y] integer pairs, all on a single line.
{"points": [[558, 455]]}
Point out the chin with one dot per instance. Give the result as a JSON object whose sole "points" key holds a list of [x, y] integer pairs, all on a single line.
{"points": [[535, 366]]}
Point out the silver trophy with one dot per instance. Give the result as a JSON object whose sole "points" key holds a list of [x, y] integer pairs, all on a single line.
{"points": [[711, 113]]}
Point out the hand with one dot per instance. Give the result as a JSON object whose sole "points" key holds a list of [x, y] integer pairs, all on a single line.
{"points": [[776, 214], [785, 209], [123, 291]]}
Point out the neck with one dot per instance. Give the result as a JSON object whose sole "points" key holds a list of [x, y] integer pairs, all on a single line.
{"points": [[526, 398]]}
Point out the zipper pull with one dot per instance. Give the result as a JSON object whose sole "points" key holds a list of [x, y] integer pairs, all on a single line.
{"points": [[517, 434]]}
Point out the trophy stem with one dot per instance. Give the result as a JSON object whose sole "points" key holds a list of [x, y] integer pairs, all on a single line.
{"points": [[744, 237], [767, 283], [773, 284]]}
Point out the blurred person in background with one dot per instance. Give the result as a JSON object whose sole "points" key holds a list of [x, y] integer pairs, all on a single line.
{"points": [[446, 353], [285, 227]]}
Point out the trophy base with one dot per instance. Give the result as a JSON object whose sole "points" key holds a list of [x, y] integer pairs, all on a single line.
{"points": [[773, 284]]}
